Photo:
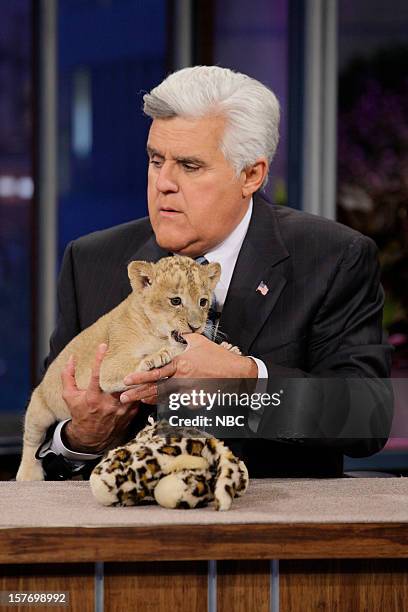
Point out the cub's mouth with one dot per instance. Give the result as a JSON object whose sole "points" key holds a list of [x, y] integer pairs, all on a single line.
{"points": [[178, 337]]}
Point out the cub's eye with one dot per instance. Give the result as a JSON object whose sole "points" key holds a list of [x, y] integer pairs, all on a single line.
{"points": [[203, 302], [176, 301]]}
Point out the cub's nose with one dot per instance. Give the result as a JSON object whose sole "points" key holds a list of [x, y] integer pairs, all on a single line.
{"points": [[193, 329]]}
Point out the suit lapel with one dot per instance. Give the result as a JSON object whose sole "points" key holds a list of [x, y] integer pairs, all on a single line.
{"points": [[246, 309]]}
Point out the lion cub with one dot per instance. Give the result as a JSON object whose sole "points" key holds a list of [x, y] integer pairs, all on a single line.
{"points": [[168, 298]]}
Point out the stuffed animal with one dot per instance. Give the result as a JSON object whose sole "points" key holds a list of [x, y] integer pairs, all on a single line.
{"points": [[178, 467]]}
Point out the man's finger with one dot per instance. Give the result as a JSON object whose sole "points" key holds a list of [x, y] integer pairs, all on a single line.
{"points": [[138, 378], [152, 401], [194, 340], [100, 354], [130, 409], [139, 394], [68, 376]]}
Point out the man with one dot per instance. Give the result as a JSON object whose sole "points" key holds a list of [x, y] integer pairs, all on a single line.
{"points": [[298, 294]]}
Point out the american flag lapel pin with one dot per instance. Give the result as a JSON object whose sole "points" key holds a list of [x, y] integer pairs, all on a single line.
{"points": [[262, 288]]}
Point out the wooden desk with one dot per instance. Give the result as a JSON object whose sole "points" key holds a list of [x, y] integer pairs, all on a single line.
{"points": [[301, 545]]}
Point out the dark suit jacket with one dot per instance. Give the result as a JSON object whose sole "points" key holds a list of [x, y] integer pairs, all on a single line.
{"points": [[320, 318]]}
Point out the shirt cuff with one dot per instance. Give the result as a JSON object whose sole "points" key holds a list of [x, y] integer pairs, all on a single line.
{"points": [[254, 416], [58, 447], [262, 369]]}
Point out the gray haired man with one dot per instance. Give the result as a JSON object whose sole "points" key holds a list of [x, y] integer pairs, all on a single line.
{"points": [[300, 295]]}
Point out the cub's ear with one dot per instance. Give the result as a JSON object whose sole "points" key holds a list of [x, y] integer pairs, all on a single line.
{"points": [[141, 274], [214, 272]]}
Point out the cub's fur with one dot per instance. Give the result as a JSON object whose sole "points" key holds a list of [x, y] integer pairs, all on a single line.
{"points": [[168, 298]]}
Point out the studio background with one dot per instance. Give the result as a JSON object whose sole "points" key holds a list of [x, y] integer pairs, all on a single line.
{"points": [[72, 143]]}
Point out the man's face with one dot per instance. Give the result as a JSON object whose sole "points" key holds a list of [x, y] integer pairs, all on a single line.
{"points": [[195, 198]]}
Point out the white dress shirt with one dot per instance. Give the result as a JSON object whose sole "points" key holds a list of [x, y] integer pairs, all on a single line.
{"points": [[226, 254]]}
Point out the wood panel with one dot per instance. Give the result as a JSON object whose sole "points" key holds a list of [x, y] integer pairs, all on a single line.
{"points": [[77, 579], [344, 585], [243, 586], [156, 586], [202, 542]]}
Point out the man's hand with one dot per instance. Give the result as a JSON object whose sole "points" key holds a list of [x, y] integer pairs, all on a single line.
{"points": [[146, 382], [201, 359], [98, 419], [205, 359]]}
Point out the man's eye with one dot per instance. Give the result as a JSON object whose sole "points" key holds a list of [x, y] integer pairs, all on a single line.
{"points": [[190, 167], [155, 162], [176, 301], [203, 302]]}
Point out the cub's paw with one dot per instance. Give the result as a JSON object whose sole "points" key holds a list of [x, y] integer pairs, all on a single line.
{"points": [[32, 471], [185, 489], [231, 348], [224, 496], [157, 360]]}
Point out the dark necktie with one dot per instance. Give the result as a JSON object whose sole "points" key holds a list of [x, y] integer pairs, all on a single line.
{"points": [[213, 316]]}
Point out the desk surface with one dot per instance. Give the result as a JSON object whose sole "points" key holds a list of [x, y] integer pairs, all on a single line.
{"points": [[277, 518], [71, 504]]}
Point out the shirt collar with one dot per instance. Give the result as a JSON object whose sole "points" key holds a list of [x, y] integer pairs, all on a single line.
{"points": [[227, 251], [226, 254]]}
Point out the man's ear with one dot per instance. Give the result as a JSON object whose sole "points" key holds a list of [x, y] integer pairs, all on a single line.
{"points": [[254, 176], [214, 272], [141, 274]]}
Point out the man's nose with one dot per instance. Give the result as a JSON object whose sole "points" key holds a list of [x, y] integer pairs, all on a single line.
{"points": [[166, 179]]}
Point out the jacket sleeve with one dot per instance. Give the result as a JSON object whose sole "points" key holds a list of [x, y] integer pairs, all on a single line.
{"points": [[67, 310], [343, 399], [57, 467]]}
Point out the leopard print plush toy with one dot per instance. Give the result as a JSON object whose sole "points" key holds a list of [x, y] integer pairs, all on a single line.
{"points": [[178, 467]]}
